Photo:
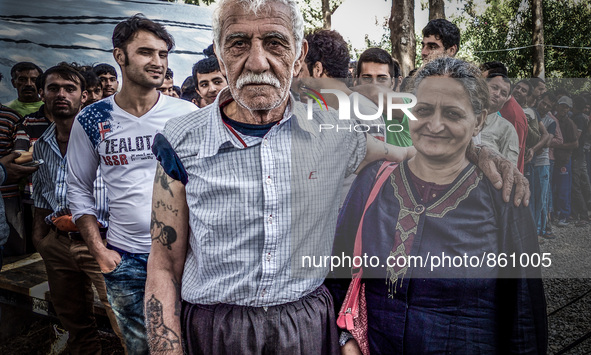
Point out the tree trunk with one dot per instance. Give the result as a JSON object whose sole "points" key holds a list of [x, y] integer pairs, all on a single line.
{"points": [[436, 9], [538, 38], [402, 34], [326, 15]]}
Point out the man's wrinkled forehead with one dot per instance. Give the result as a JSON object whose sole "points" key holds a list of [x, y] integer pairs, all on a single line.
{"points": [[238, 18], [27, 73]]}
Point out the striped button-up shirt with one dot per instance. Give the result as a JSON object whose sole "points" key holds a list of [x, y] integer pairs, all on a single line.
{"points": [[49, 181], [258, 206]]}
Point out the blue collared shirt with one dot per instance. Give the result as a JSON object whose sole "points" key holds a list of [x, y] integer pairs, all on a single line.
{"points": [[49, 181], [257, 206]]}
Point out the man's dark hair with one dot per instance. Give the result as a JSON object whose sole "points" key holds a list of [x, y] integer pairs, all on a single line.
{"points": [[536, 81], [125, 30], [104, 68], [190, 93], [1, 76], [378, 55], [65, 71], [442, 29], [207, 65], [550, 95], [91, 79], [177, 89], [525, 82], [169, 74], [494, 67], [329, 48], [188, 82], [24, 66], [579, 103], [503, 76]]}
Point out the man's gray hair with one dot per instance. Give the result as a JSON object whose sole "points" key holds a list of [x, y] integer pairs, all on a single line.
{"points": [[467, 74], [255, 6]]}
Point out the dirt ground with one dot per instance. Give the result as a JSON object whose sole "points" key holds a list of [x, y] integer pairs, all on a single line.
{"points": [[568, 295], [39, 338]]}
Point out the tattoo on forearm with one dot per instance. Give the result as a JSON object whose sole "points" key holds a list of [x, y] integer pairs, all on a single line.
{"points": [[161, 232], [177, 302], [166, 207], [160, 337], [164, 180]]}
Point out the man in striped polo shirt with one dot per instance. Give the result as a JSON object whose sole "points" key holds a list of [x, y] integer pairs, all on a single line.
{"points": [[71, 269]]}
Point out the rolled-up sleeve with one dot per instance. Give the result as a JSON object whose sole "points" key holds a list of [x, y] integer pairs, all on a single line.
{"points": [[83, 160]]}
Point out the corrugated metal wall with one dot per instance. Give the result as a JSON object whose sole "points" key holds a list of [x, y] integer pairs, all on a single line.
{"points": [[47, 32]]}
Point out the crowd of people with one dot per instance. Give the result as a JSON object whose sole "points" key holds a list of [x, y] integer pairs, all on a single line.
{"points": [[186, 207]]}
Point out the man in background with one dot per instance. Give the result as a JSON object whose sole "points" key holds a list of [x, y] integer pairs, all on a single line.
{"points": [[94, 88], [581, 191], [376, 66], [440, 37], [562, 162], [71, 270], [10, 172], [108, 76], [497, 132], [168, 84], [208, 78], [24, 75]]}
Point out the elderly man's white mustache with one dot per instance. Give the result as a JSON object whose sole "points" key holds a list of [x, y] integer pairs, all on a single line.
{"points": [[262, 78]]}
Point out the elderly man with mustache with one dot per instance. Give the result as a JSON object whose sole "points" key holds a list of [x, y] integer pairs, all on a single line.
{"points": [[249, 187]]}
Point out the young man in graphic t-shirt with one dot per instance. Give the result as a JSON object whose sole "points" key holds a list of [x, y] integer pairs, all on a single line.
{"points": [[116, 134]]}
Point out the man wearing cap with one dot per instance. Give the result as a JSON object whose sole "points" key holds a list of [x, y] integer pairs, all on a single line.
{"points": [[562, 161]]}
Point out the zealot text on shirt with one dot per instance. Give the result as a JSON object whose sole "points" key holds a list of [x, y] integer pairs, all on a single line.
{"points": [[120, 144]]}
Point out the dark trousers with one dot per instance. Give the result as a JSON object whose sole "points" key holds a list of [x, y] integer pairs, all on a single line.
{"points": [[71, 272], [562, 190], [581, 189], [307, 326]]}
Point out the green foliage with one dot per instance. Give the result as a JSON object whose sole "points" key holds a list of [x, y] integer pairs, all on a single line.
{"points": [[312, 13], [508, 24]]}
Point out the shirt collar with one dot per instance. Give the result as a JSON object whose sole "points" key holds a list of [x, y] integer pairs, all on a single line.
{"points": [[218, 134], [49, 134]]}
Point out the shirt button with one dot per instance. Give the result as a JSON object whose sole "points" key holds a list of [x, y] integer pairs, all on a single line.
{"points": [[269, 181], [263, 293], [265, 142], [270, 219], [268, 256]]}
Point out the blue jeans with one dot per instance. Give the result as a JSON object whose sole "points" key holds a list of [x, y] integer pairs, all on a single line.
{"points": [[542, 174], [125, 290], [562, 187]]}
